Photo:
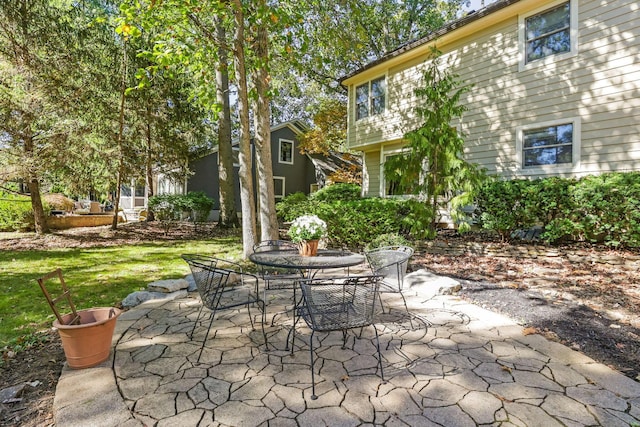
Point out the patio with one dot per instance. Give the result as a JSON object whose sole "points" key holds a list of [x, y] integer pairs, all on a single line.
{"points": [[453, 364]]}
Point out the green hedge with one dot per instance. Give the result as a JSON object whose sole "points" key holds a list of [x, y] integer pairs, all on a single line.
{"points": [[603, 208], [354, 223], [16, 213]]}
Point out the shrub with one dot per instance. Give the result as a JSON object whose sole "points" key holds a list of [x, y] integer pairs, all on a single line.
{"points": [[501, 206], [337, 192], [16, 213], [293, 206], [608, 208], [603, 208], [389, 239], [199, 204], [355, 223], [59, 202]]}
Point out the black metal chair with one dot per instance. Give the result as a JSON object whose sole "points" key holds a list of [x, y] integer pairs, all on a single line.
{"points": [[277, 278], [339, 304], [391, 263], [223, 285]]}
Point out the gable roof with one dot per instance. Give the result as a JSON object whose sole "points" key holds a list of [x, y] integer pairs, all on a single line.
{"points": [[297, 126], [445, 29]]}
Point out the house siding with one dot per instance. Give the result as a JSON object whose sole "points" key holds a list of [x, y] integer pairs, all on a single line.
{"points": [[298, 175], [600, 85]]}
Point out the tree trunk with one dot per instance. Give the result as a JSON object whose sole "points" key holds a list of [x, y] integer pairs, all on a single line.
{"points": [[149, 163], [264, 165], [228, 213], [114, 224], [33, 183], [39, 218], [246, 181]]}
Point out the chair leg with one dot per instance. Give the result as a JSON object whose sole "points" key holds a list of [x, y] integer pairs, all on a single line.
{"points": [[313, 377], [344, 339], [379, 354], [264, 309], [196, 323], [407, 308], [204, 341], [381, 304]]}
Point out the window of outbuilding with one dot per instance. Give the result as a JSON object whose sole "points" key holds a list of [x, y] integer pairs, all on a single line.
{"points": [[286, 151]]}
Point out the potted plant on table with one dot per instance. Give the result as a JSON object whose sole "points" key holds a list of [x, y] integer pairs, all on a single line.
{"points": [[306, 231]]}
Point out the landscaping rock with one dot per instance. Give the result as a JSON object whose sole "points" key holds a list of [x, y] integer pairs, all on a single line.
{"points": [[139, 297], [427, 284], [192, 283], [167, 286]]}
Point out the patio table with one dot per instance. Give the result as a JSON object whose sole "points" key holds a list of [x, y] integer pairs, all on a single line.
{"points": [[326, 258], [308, 265]]}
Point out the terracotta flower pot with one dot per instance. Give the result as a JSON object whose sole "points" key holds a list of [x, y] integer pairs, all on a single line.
{"points": [[308, 247], [89, 343]]}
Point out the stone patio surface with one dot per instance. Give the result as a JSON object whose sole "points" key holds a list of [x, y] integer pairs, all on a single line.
{"points": [[449, 363]]}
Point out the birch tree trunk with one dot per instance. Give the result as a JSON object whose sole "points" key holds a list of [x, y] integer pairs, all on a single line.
{"points": [[264, 165], [246, 181]]}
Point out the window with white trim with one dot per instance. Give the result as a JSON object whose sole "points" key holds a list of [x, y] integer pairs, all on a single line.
{"points": [[286, 152], [371, 98], [278, 187], [548, 33], [549, 145]]}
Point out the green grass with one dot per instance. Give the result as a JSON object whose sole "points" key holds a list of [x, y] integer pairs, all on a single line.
{"points": [[97, 277]]}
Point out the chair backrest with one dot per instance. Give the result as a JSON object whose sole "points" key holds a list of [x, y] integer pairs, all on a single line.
{"points": [[275, 245], [340, 302], [209, 279], [391, 263]]}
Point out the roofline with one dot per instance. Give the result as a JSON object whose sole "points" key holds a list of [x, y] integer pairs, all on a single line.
{"points": [[297, 126], [445, 29]]}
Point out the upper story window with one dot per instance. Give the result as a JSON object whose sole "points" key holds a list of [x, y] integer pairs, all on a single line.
{"points": [[552, 144], [550, 32], [370, 98], [286, 151]]}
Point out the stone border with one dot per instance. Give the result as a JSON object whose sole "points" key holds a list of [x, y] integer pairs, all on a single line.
{"points": [[628, 261]]}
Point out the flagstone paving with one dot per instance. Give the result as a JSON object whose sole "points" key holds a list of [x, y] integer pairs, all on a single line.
{"points": [[450, 364]]}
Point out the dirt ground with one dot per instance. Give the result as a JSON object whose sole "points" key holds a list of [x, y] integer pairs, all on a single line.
{"points": [[594, 308]]}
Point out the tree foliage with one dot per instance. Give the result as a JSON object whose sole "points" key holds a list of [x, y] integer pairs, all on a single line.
{"points": [[329, 132], [434, 167]]}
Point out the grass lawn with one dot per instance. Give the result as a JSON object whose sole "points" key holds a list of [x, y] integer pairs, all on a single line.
{"points": [[97, 277]]}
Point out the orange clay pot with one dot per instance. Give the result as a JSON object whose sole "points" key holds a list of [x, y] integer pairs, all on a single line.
{"points": [[89, 343]]}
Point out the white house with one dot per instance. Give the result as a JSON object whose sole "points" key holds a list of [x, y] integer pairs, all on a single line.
{"points": [[556, 90]]}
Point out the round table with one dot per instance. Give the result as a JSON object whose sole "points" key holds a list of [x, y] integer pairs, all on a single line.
{"points": [[326, 258]]}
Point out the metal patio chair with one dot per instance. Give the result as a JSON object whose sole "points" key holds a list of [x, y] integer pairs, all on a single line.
{"points": [[339, 304], [275, 278], [223, 285], [391, 263]]}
